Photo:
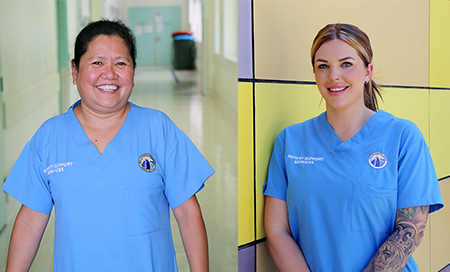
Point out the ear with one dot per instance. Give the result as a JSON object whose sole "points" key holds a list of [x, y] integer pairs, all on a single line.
{"points": [[369, 72], [74, 72]]}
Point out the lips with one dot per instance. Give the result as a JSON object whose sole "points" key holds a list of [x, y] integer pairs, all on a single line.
{"points": [[337, 89], [108, 88]]}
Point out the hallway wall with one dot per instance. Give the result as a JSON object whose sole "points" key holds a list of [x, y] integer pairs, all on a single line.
{"points": [[221, 71], [277, 88], [37, 80], [29, 64], [122, 8]]}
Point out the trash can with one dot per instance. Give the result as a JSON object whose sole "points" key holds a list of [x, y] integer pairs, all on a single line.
{"points": [[183, 50]]}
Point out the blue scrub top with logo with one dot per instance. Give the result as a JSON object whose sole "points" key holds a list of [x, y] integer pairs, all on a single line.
{"points": [[111, 210], [342, 197]]}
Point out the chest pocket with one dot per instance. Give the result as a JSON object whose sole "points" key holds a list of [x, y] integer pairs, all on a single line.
{"points": [[146, 210], [373, 208]]}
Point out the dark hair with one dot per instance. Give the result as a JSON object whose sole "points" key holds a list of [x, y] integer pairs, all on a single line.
{"points": [[104, 27], [357, 39]]}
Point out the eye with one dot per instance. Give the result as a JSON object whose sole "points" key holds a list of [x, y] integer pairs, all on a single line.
{"points": [[322, 66], [97, 62], [121, 63], [347, 64]]}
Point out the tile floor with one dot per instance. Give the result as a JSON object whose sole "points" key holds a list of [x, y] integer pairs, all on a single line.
{"points": [[216, 137]]}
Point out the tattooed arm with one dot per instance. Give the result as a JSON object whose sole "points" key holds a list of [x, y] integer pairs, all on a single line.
{"points": [[395, 252]]}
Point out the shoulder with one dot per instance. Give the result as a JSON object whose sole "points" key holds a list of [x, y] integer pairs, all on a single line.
{"points": [[406, 130], [302, 127], [52, 126], [52, 131], [150, 114], [155, 121]]}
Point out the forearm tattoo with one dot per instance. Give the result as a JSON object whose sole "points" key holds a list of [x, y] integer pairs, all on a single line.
{"points": [[395, 252]]}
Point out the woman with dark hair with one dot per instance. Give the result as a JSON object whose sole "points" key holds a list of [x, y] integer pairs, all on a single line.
{"points": [[351, 189], [111, 170]]}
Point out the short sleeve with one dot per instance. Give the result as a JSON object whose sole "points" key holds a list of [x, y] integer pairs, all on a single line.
{"points": [[417, 180], [27, 183], [185, 171], [276, 185]]}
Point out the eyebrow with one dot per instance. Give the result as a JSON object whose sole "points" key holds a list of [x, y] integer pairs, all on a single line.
{"points": [[116, 58], [343, 59]]}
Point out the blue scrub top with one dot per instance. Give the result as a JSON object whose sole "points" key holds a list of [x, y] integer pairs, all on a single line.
{"points": [[112, 210], [342, 197]]}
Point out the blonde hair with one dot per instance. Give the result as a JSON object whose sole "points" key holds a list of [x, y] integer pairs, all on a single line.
{"points": [[357, 39]]}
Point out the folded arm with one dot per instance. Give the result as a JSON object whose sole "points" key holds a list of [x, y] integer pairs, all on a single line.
{"points": [[285, 252], [25, 239], [394, 253]]}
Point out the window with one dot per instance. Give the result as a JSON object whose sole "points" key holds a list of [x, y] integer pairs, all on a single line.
{"points": [[217, 27], [230, 30]]}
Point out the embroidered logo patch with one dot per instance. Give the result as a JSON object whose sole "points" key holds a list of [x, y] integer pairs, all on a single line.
{"points": [[377, 160], [147, 162]]}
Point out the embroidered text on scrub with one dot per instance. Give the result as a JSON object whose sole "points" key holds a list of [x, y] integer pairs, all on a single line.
{"points": [[56, 168], [305, 160]]}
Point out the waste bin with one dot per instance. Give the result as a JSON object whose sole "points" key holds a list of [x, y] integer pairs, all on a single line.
{"points": [[183, 50]]}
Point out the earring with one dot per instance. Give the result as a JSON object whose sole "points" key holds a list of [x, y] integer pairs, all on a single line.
{"points": [[365, 83]]}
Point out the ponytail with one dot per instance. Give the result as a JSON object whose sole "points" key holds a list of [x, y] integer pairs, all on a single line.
{"points": [[371, 91]]}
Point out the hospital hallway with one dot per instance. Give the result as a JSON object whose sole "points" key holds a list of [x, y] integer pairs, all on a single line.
{"points": [[178, 94]]}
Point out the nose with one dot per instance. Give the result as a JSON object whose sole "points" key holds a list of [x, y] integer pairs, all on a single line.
{"points": [[334, 73], [109, 72]]}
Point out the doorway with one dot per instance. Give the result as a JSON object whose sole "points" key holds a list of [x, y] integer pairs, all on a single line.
{"points": [[153, 27]]}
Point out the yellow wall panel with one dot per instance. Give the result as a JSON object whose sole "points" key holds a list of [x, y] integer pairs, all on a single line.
{"points": [[246, 229], [439, 43], [440, 234], [276, 107], [440, 131], [399, 32], [411, 104]]}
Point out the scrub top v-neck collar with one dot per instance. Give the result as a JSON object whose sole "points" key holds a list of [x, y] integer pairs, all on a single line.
{"points": [[341, 149], [100, 160]]}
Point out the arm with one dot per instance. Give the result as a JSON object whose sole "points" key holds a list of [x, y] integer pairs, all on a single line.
{"points": [[285, 252], [193, 234], [25, 239], [395, 252]]}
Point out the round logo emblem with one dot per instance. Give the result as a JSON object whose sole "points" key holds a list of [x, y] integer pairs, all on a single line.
{"points": [[147, 162], [377, 160]]}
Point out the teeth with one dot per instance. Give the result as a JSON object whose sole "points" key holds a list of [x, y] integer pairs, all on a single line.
{"points": [[108, 87], [337, 90]]}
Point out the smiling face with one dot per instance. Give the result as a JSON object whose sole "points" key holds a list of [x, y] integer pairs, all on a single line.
{"points": [[105, 76], [340, 75]]}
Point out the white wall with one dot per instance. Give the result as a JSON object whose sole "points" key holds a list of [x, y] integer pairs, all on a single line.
{"points": [[29, 62], [221, 69]]}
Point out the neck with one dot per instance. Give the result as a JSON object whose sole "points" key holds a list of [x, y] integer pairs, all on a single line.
{"points": [[100, 120], [100, 127], [346, 123]]}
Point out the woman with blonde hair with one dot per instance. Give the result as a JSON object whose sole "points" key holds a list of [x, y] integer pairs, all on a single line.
{"points": [[351, 189]]}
